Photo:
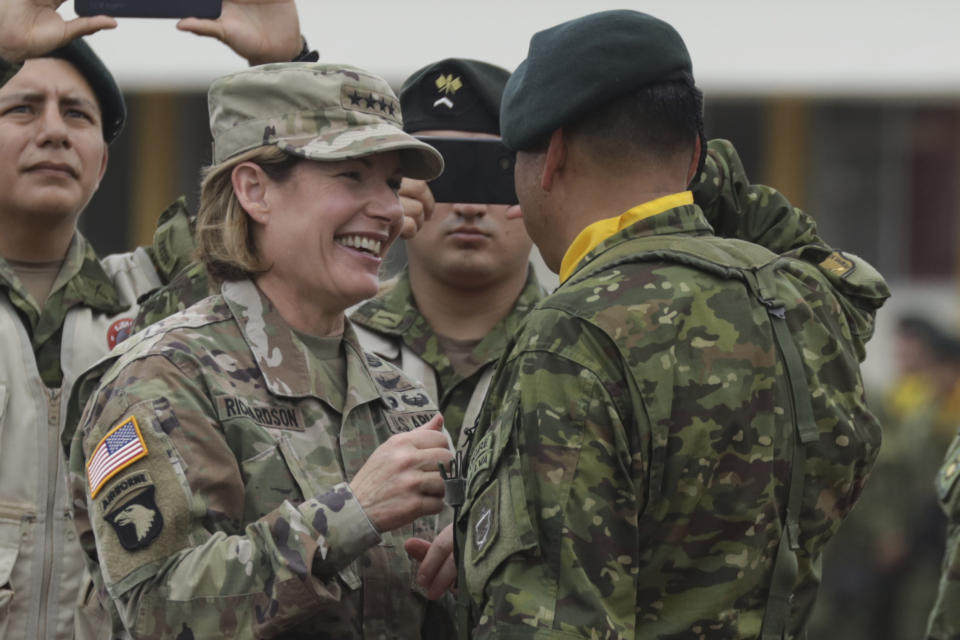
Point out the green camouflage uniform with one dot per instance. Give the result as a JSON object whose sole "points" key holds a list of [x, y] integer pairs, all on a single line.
{"points": [[189, 286], [629, 473], [945, 617], [251, 529], [393, 315]]}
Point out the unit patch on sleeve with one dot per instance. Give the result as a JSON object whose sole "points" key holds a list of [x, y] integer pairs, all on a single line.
{"points": [[135, 515], [122, 446], [838, 264]]}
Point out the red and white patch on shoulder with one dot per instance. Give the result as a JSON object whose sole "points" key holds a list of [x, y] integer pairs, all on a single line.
{"points": [[119, 331]]}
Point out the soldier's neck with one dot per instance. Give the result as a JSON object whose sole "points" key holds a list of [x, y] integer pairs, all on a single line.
{"points": [[465, 313], [30, 237]]}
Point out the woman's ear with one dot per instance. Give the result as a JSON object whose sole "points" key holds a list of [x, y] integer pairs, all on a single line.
{"points": [[250, 184]]}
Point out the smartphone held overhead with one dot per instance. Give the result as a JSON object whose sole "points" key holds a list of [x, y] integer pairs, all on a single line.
{"points": [[476, 171], [149, 8]]}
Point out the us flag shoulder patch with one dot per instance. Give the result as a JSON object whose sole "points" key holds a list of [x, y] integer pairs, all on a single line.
{"points": [[120, 448]]}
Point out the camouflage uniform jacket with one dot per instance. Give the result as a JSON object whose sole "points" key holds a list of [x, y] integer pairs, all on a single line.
{"points": [[89, 310], [628, 475], [237, 521], [945, 618], [392, 322]]}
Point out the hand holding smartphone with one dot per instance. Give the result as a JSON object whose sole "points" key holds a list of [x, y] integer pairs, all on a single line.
{"points": [[149, 8], [476, 171]]}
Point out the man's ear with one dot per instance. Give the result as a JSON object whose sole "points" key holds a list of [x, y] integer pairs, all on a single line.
{"points": [[695, 162], [513, 212], [555, 160], [250, 185]]}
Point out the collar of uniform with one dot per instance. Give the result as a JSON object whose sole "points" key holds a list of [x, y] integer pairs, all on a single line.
{"points": [[81, 280], [594, 234], [284, 361], [391, 311], [84, 280], [394, 312], [493, 344], [687, 220]]}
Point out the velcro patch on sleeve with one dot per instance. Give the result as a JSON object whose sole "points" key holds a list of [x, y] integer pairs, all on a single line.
{"points": [[122, 446], [131, 508], [838, 264]]}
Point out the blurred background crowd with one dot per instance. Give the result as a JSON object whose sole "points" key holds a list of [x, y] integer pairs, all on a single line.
{"points": [[851, 109]]}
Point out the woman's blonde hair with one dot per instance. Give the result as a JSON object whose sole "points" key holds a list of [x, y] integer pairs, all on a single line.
{"points": [[224, 232]]}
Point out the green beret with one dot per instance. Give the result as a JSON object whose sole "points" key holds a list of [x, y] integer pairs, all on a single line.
{"points": [[113, 110], [456, 93], [581, 64]]}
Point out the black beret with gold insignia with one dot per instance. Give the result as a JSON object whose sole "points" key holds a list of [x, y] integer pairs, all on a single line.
{"points": [[584, 63], [456, 93]]}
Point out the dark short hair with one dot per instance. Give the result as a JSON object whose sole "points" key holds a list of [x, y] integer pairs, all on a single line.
{"points": [[656, 121]]}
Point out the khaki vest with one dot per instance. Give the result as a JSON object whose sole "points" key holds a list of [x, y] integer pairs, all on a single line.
{"points": [[42, 572]]}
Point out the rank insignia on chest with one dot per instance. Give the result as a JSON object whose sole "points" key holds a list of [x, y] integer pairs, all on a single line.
{"points": [[122, 446]]}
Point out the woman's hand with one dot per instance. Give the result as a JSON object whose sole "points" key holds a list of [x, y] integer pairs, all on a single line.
{"points": [[401, 481]]}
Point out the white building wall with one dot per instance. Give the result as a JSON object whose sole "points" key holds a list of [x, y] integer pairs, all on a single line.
{"points": [[754, 47]]}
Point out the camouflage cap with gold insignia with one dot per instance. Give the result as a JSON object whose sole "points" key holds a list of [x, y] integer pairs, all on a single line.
{"points": [[316, 111]]}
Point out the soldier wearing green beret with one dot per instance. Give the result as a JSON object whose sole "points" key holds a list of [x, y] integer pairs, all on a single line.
{"points": [[61, 306], [680, 427]]}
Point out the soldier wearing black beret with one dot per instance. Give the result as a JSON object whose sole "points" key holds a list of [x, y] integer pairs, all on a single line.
{"points": [[448, 315], [678, 429]]}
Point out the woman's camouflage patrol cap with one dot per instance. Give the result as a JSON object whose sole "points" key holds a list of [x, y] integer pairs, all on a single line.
{"points": [[314, 111]]}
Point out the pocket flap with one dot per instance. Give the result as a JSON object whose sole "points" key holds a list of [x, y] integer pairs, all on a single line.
{"points": [[9, 547]]}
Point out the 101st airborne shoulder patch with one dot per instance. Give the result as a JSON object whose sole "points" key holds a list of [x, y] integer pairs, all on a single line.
{"points": [[131, 509], [122, 446], [838, 264]]}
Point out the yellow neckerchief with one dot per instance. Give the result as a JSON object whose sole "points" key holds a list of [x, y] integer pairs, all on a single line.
{"points": [[600, 230]]}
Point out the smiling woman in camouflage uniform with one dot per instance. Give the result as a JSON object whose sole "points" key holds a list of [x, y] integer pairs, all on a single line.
{"points": [[243, 468]]}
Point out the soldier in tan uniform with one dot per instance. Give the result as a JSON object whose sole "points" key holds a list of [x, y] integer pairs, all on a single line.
{"points": [[62, 307], [244, 469]]}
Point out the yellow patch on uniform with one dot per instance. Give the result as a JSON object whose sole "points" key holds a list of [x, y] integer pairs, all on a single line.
{"points": [[838, 265], [121, 447]]}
